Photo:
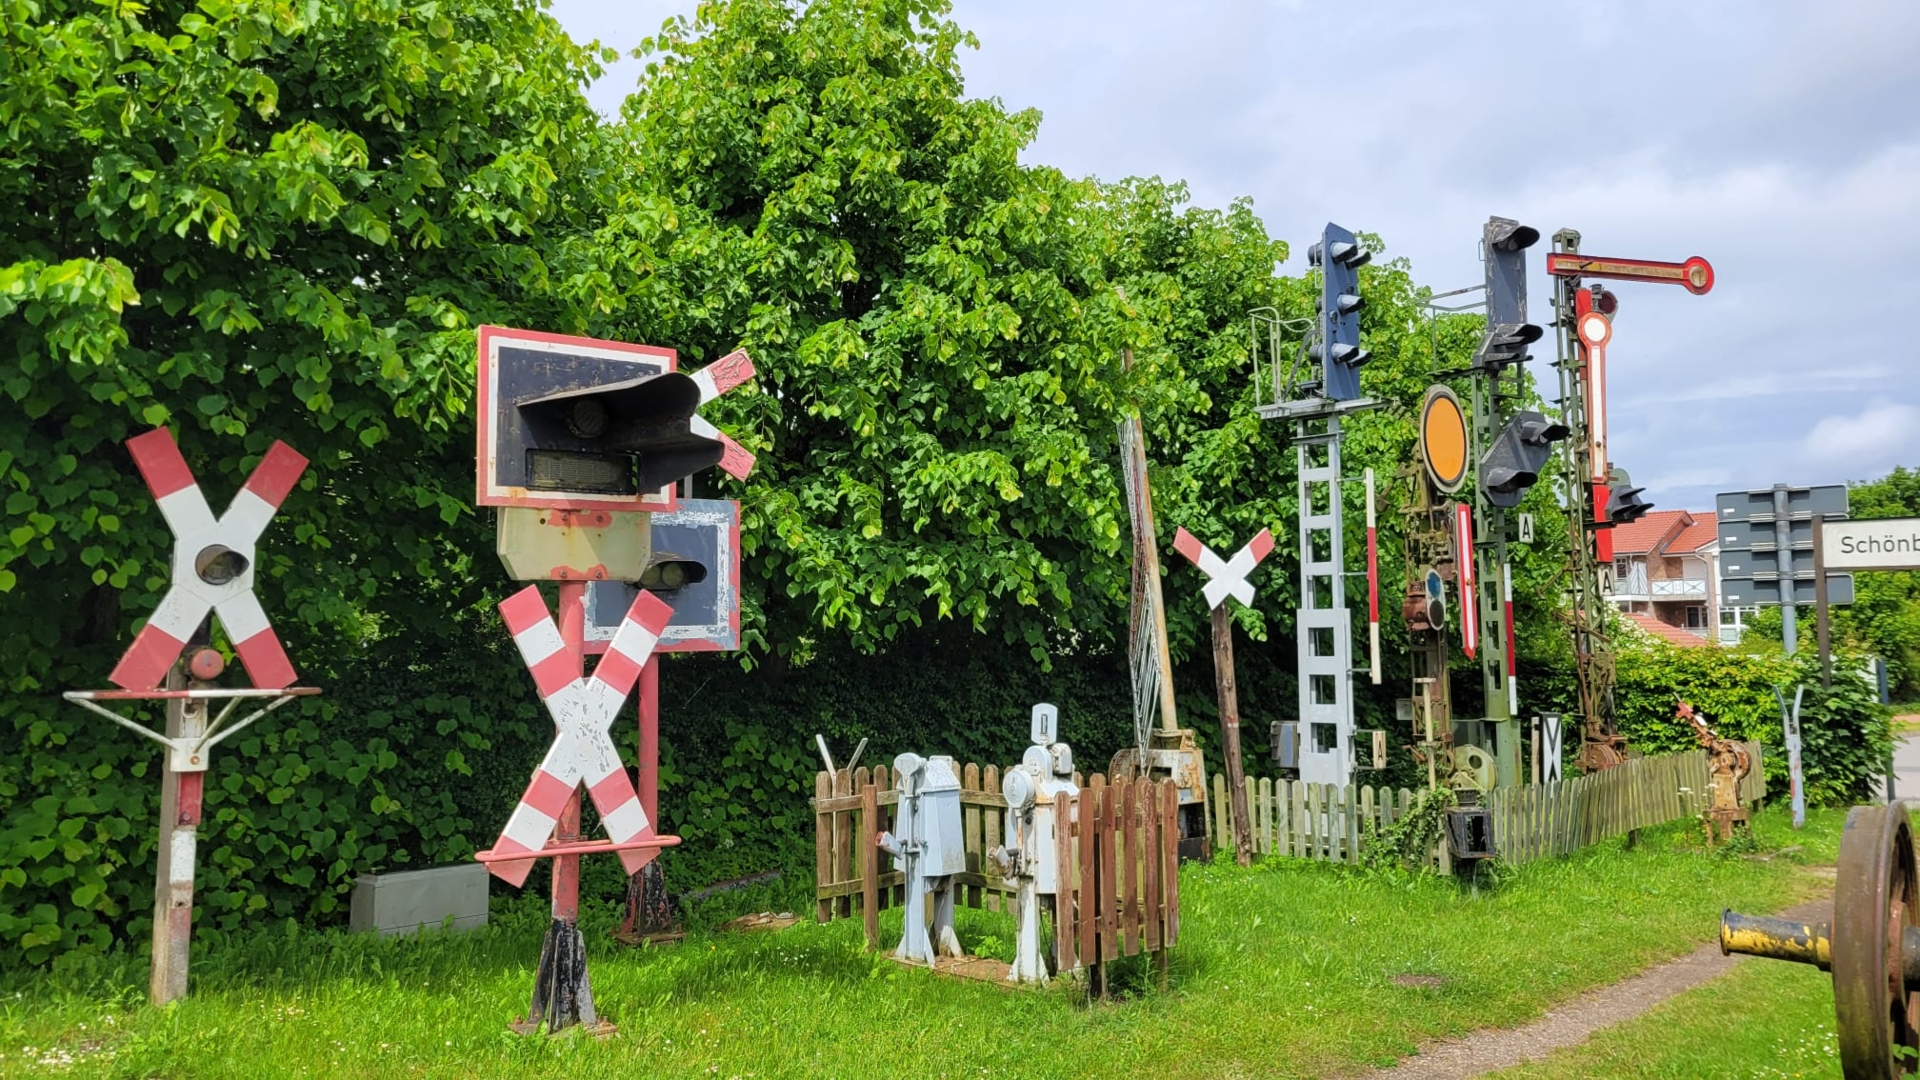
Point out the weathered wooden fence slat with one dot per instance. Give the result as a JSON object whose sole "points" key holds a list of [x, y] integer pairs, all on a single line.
{"points": [[1330, 823], [1116, 854]]}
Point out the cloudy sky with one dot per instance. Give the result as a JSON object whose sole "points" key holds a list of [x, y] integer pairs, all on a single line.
{"points": [[1780, 141]]}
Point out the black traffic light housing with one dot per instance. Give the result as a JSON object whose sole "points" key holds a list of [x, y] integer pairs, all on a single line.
{"points": [[1508, 332], [1624, 504], [617, 438], [1505, 343], [1337, 345], [1513, 463]]}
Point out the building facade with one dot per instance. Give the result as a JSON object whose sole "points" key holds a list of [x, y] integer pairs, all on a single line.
{"points": [[1666, 576]]}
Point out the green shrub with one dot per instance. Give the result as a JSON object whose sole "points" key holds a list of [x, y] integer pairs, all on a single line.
{"points": [[1845, 736]]}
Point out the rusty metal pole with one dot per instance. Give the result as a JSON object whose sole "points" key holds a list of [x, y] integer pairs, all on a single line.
{"points": [[649, 917], [180, 797], [1230, 734]]}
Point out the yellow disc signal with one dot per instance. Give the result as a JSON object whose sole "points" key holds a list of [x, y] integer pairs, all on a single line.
{"points": [[1443, 439]]}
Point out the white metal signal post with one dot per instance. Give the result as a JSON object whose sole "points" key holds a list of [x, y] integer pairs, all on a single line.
{"points": [[212, 574]]}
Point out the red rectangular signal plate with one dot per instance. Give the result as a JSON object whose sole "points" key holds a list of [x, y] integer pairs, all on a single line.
{"points": [[515, 365]]}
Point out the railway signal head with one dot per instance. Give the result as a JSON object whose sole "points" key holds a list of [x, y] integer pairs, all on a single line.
{"points": [[1503, 343], [1337, 348], [1513, 463], [1508, 332], [578, 424], [1624, 504]]}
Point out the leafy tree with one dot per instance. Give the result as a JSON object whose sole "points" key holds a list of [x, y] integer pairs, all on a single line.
{"points": [[247, 221], [937, 338]]}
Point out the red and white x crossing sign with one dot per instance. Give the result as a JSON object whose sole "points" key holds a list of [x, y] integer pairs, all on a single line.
{"points": [[212, 564], [713, 380], [1225, 577], [583, 710]]}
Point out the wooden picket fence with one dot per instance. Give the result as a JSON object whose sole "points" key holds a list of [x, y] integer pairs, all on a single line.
{"points": [[1326, 822], [1541, 821], [1329, 822], [1121, 856]]}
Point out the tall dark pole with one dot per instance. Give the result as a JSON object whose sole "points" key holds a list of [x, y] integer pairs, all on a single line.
{"points": [[1230, 734]]}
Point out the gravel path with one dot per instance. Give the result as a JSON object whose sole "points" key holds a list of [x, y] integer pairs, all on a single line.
{"points": [[1571, 1023]]}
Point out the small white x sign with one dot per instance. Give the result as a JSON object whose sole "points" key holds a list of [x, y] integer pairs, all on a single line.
{"points": [[1225, 577]]}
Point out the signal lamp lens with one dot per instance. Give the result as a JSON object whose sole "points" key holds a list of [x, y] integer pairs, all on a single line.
{"points": [[587, 419], [217, 564], [1605, 302]]}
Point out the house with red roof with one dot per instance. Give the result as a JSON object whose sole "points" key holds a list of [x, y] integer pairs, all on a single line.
{"points": [[1666, 575]]}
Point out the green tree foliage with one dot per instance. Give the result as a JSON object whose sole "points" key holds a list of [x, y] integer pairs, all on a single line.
{"points": [[937, 326], [1845, 738], [251, 220]]}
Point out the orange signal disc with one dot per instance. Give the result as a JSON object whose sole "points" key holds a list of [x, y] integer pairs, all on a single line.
{"points": [[1443, 439]]}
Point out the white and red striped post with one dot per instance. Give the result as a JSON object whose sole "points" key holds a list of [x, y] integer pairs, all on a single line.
{"points": [[1464, 577], [583, 710], [180, 800], [1373, 587], [1513, 650]]}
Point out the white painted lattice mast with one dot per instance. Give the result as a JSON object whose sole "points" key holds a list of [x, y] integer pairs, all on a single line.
{"points": [[1323, 623]]}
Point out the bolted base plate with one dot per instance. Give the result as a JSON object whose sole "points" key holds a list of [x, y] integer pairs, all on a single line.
{"points": [[562, 994]]}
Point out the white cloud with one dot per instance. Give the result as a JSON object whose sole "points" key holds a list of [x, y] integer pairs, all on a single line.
{"points": [[1879, 435]]}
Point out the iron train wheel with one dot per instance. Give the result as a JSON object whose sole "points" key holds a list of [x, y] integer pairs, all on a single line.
{"points": [[1876, 897]]}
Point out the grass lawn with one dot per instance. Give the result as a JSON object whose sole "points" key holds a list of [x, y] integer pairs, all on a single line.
{"points": [[1283, 970]]}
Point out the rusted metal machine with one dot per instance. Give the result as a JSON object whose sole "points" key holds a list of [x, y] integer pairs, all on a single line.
{"points": [[1728, 763], [1872, 946]]}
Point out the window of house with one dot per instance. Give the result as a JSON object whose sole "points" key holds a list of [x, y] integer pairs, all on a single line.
{"points": [[1696, 617]]}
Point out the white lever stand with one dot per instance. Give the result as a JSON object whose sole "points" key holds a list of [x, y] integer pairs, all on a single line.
{"points": [[929, 850], [1027, 857]]}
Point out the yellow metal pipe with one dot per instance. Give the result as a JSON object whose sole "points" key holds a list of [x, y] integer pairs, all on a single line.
{"points": [[1777, 939]]}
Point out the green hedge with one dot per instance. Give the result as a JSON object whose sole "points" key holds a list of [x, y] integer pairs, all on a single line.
{"points": [[1845, 735]]}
